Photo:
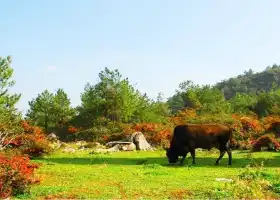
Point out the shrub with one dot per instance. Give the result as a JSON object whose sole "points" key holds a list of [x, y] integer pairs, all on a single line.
{"points": [[72, 129], [32, 142], [269, 121], [157, 134], [16, 175], [266, 141], [183, 116], [250, 124], [31, 145], [210, 118], [162, 137]]}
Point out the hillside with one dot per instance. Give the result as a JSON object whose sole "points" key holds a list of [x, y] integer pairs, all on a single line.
{"points": [[251, 82]]}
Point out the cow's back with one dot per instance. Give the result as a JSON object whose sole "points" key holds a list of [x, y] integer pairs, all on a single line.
{"points": [[200, 136]]}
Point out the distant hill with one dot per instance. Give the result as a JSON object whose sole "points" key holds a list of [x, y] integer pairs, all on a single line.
{"points": [[251, 82]]}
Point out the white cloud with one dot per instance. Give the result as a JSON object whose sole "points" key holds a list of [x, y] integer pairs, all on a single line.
{"points": [[51, 68]]}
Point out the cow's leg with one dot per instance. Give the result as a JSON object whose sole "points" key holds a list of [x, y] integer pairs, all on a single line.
{"points": [[229, 157], [229, 153], [193, 156], [183, 159], [222, 153]]}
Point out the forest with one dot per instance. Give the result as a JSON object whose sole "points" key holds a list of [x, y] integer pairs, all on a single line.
{"points": [[113, 108]]}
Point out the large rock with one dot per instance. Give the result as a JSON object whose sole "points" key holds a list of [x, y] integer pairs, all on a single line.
{"points": [[129, 147], [121, 145], [140, 141], [52, 137], [136, 141]]}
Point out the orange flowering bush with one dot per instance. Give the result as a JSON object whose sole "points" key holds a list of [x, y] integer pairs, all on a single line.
{"points": [[251, 124], [270, 121], [183, 116], [32, 141], [126, 129], [72, 129], [266, 141], [157, 134], [187, 113], [16, 175], [162, 137], [145, 127]]}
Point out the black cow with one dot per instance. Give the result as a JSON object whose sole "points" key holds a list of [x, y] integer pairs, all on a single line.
{"points": [[186, 138]]}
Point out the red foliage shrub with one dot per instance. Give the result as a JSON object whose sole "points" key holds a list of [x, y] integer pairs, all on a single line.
{"points": [[161, 137], [72, 129], [145, 127], [183, 116], [158, 134], [16, 174], [126, 129], [187, 113], [272, 123], [32, 142], [250, 124], [266, 141]]}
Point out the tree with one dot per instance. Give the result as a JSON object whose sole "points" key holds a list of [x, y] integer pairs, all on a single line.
{"points": [[268, 103], [161, 108], [6, 72], [243, 103], [9, 116], [204, 98], [176, 103], [62, 109], [114, 98], [41, 109]]}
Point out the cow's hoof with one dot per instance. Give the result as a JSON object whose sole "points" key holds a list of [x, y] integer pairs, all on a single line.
{"points": [[217, 163]]}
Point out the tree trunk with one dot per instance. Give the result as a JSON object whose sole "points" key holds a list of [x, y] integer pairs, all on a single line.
{"points": [[46, 123]]}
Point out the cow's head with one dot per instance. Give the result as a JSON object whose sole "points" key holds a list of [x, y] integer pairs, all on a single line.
{"points": [[172, 158]]}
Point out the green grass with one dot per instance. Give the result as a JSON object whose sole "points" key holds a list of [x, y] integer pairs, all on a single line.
{"points": [[146, 175]]}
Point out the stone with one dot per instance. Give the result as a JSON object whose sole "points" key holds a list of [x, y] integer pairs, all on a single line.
{"points": [[69, 150], [140, 141], [52, 137], [129, 147]]}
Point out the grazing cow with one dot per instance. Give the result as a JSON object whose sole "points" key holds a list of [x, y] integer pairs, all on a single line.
{"points": [[186, 138]]}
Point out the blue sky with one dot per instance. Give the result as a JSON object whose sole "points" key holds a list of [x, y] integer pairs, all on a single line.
{"points": [[155, 43]]}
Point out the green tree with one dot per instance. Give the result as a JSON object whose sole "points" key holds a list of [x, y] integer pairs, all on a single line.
{"points": [[41, 109], [62, 109], [102, 99], [9, 116], [212, 100], [160, 108], [114, 98], [243, 103], [176, 103], [268, 103], [6, 73], [205, 99]]}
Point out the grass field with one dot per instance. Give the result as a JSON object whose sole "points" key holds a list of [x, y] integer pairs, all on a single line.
{"points": [[146, 175]]}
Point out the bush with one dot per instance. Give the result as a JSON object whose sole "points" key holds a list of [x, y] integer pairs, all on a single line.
{"points": [[269, 121], [32, 142], [266, 141], [16, 175]]}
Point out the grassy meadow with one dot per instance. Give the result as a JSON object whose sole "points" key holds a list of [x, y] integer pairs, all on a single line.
{"points": [[146, 175]]}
